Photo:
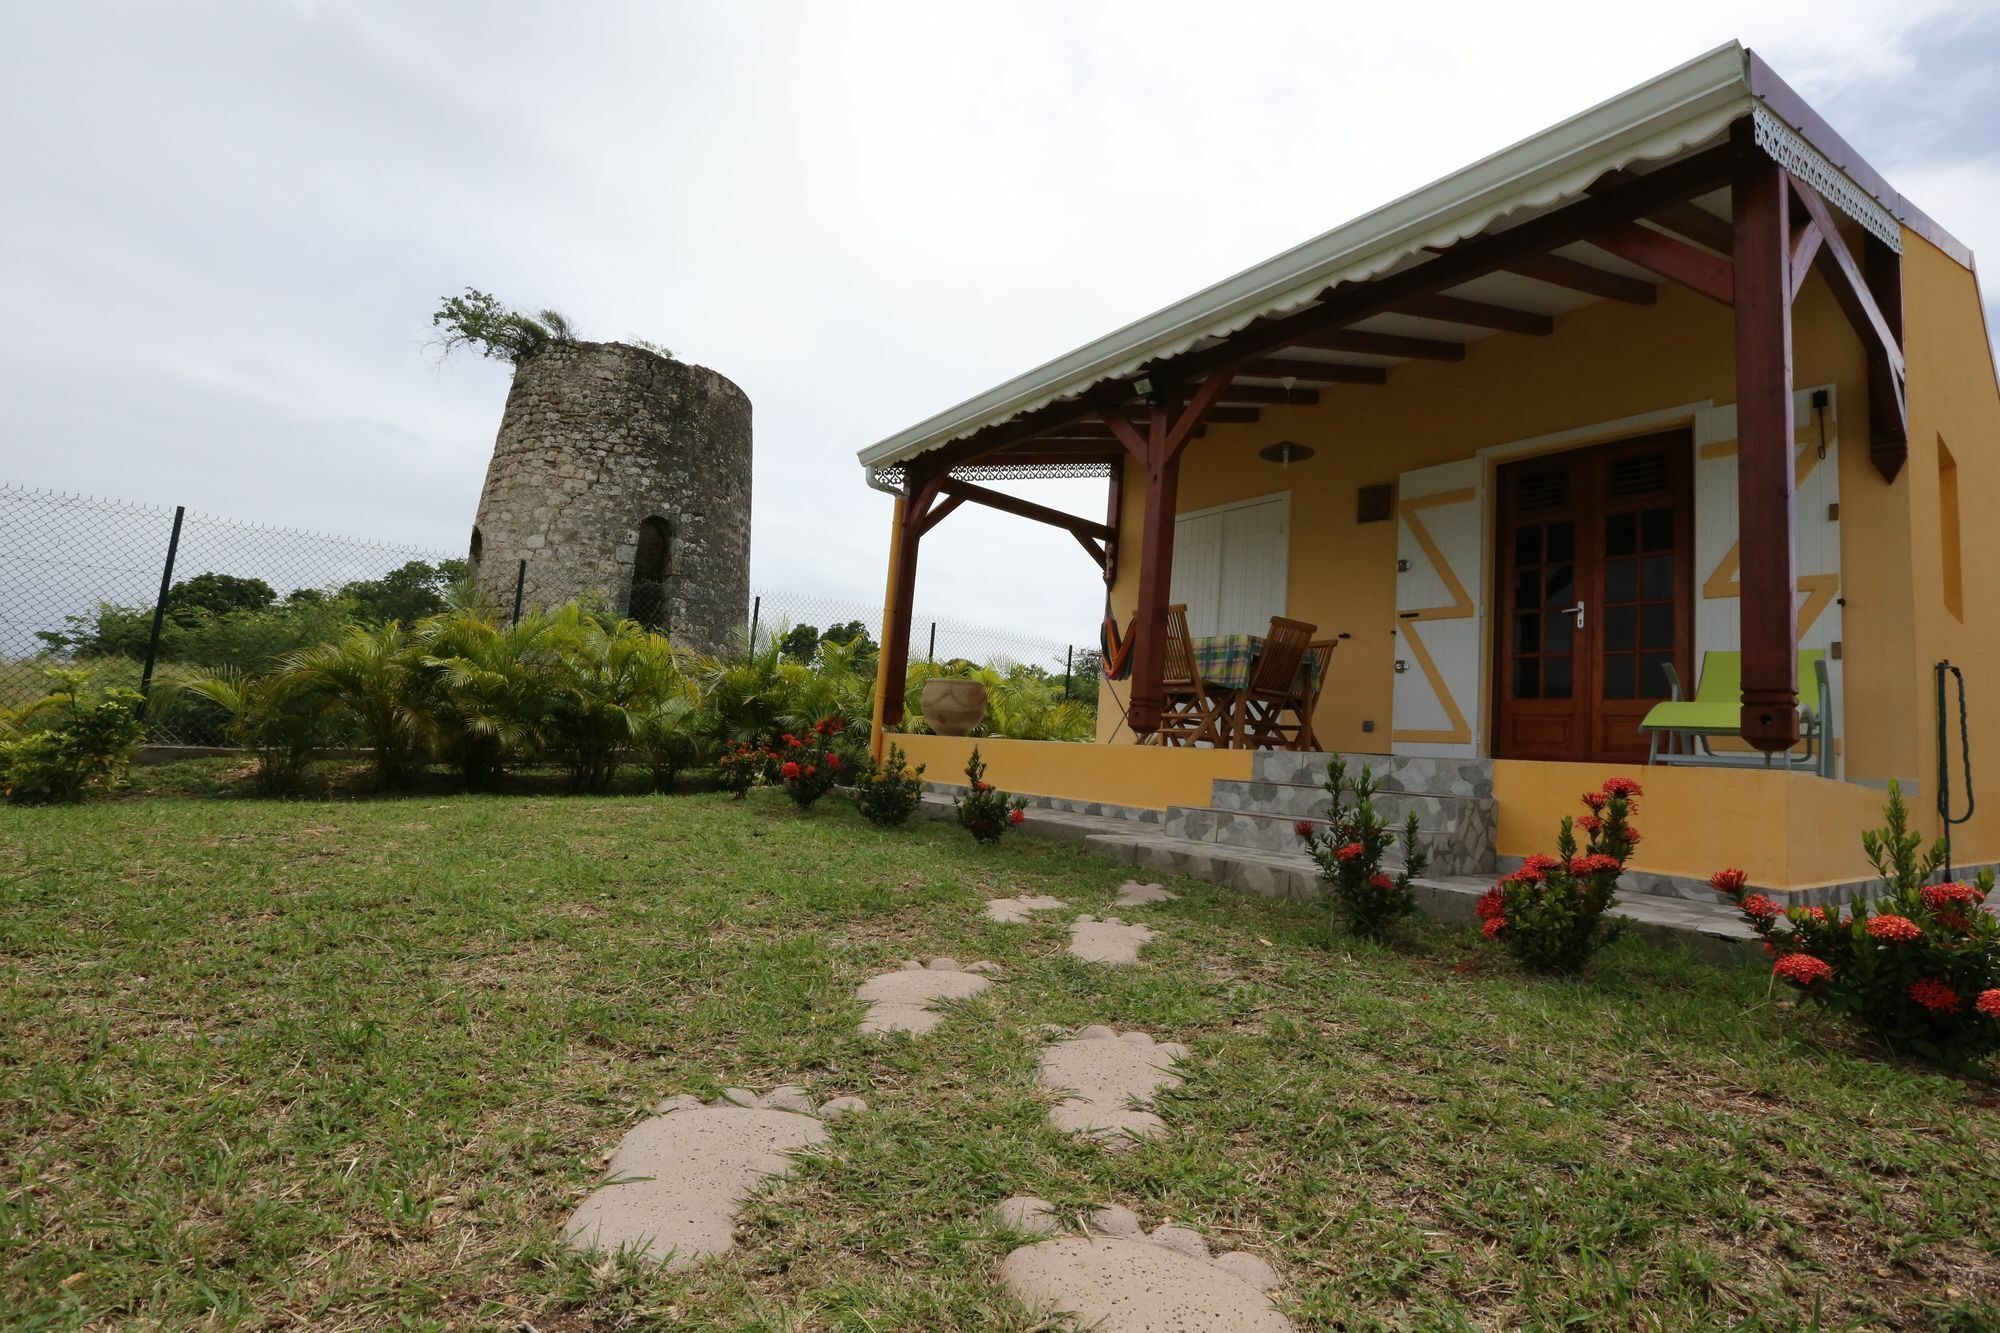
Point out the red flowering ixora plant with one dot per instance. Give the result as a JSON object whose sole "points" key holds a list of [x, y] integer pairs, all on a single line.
{"points": [[1550, 912], [982, 811], [741, 764], [1349, 849], [890, 791], [1919, 966], [809, 765]]}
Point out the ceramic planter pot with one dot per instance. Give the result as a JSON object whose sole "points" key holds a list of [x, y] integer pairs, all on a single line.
{"points": [[953, 707]]}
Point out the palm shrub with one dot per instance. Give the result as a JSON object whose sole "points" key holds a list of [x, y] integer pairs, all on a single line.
{"points": [[486, 692], [269, 715], [371, 679], [669, 724], [1349, 850], [1919, 966], [1550, 912], [602, 676], [58, 748]]}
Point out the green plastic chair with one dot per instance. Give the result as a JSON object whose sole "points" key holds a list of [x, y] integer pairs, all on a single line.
{"points": [[1690, 725]]}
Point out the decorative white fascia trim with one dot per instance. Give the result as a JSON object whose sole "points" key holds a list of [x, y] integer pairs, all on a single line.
{"points": [[1783, 145]]}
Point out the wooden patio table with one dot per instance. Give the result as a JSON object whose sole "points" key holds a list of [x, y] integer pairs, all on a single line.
{"points": [[1225, 660]]}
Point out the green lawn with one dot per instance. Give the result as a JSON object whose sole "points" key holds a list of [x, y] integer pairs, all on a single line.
{"points": [[351, 1063]]}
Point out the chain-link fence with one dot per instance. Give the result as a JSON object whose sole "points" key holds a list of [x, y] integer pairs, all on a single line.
{"points": [[143, 595]]}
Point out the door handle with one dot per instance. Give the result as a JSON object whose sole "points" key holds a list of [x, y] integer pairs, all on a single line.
{"points": [[1578, 609]]}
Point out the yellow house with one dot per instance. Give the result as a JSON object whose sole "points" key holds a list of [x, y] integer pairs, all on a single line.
{"points": [[1679, 381]]}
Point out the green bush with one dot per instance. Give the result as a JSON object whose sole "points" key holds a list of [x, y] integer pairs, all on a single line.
{"points": [[983, 812], [889, 790], [1550, 913], [1349, 850], [74, 739]]}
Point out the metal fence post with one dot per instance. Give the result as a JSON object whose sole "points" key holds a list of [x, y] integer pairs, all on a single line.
{"points": [[160, 610], [756, 609], [1069, 666], [931, 656], [520, 586]]}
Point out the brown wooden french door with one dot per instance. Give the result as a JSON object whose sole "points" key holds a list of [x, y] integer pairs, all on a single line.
{"points": [[1596, 593]]}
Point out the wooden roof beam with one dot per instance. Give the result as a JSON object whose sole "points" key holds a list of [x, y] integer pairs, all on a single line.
{"points": [[1478, 314], [1316, 372], [1239, 394], [1562, 271], [1383, 344], [1671, 258], [1685, 218]]}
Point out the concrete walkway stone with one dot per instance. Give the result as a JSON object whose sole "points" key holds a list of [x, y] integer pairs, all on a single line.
{"points": [[1123, 1280], [1134, 893], [1107, 1082], [675, 1183], [1017, 910], [901, 1001], [1111, 941]]}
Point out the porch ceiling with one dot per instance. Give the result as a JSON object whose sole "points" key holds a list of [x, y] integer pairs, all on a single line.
{"points": [[1439, 261]]}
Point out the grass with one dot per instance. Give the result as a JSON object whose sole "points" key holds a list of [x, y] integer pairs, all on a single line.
{"points": [[351, 1064]]}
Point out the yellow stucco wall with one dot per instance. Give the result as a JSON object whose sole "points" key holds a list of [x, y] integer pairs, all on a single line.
{"points": [[1148, 776]]}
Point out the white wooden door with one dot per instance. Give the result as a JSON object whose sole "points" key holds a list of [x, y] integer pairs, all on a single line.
{"points": [[1440, 561], [1231, 565]]}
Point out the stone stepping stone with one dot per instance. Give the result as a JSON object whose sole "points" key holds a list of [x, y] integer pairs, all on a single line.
{"points": [[901, 1001], [1118, 1278], [1107, 1082], [1132, 893], [675, 1183], [1014, 911], [1110, 941]]}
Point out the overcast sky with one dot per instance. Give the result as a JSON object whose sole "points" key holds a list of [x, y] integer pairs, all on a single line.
{"points": [[223, 227]]}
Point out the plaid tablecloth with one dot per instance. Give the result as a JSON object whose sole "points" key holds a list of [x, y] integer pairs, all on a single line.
{"points": [[1226, 659]]}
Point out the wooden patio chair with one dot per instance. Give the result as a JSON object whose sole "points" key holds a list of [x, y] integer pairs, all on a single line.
{"points": [[1188, 714], [1270, 709], [1320, 654]]}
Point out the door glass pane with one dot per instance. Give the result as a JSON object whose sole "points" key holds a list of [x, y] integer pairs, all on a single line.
{"points": [[1528, 546], [1562, 541], [1618, 676], [1555, 677], [1653, 676], [1656, 577], [1560, 590], [1558, 631], [1621, 534], [1527, 630], [1621, 580], [1656, 529], [1621, 628], [1656, 625], [1526, 676], [1528, 588]]}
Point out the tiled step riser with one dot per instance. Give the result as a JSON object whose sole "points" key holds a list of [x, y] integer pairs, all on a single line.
{"points": [[1465, 848], [1297, 801], [1442, 777]]}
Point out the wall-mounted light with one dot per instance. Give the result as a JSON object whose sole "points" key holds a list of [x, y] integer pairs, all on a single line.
{"points": [[1285, 452]]}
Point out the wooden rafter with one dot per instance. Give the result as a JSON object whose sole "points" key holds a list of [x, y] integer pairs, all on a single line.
{"points": [[1685, 218], [961, 491], [1269, 395], [1313, 372], [1478, 314], [1806, 241], [1855, 290], [1563, 271], [1671, 258], [1383, 344]]}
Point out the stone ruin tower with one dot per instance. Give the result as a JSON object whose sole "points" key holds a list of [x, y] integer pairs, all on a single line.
{"points": [[624, 475]]}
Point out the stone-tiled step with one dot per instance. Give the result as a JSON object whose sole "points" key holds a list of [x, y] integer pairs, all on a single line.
{"points": [[1458, 831], [1439, 777], [1462, 847], [1136, 814]]}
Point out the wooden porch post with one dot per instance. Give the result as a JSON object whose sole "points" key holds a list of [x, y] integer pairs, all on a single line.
{"points": [[1156, 566], [913, 517], [1764, 446]]}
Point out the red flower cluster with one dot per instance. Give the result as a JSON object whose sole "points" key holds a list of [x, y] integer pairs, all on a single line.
{"points": [[1591, 824], [1381, 881], [1946, 897], [1802, 968], [1303, 828], [1539, 865], [1595, 800], [791, 770], [1492, 905], [1727, 881], [1494, 925], [1897, 928], [1758, 905], [829, 726], [1988, 1003], [833, 761], [1625, 787], [1596, 863], [1935, 995], [1350, 851], [982, 786], [1016, 816]]}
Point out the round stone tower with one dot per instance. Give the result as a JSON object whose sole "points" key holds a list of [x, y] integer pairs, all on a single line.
{"points": [[621, 475]]}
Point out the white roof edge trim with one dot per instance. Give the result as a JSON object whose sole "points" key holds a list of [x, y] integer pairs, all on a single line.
{"points": [[1665, 115]]}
